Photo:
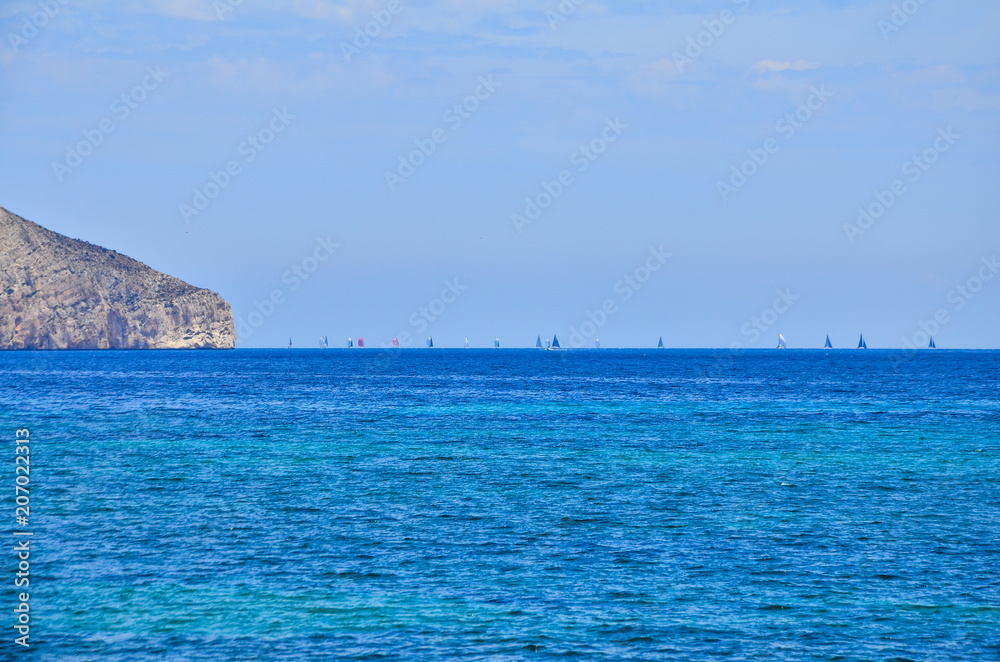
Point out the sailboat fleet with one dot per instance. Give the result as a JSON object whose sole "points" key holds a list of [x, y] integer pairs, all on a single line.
{"points": [[553, 344], [862, 343]]}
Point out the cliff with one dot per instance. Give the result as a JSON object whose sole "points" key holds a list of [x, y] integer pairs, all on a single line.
{"points": [[62, 293]]}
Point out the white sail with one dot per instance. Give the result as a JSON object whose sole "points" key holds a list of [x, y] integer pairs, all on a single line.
{"points": [[782, 344]]}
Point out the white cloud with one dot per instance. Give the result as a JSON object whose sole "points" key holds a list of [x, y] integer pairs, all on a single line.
{"points": [[771, 65]]}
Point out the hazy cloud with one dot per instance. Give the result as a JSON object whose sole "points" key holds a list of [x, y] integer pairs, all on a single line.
{"points": [[770, 65]]}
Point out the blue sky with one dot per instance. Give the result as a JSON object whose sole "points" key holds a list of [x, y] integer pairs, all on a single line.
{"points": [[310, 133]]}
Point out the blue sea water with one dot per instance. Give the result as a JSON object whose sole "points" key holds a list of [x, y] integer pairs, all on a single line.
{"points": [[507, 505]]}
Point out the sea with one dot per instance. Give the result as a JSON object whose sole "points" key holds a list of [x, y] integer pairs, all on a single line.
{"points": [[504, 505]]}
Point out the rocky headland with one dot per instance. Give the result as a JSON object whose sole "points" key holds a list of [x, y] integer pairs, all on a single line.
{"points": [[62, 293]]}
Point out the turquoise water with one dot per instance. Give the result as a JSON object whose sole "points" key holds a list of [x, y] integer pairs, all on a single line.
{"points": [[517, 505]]}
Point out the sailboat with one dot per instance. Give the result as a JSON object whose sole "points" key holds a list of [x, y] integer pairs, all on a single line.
{"points": [[350, 343], [555, 342], [828, 345], [289, 343], [659, 345], [430, 341], [395, 343], [496, 343], [538, 343], [782, 344], [932, 345], [361, 342], [466, 342], [861, 343], [597, 343]]}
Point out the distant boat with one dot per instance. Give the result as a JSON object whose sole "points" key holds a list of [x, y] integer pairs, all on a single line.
{"points": [[932, 345], [555, 342], [323, 343], [496, 343], [861, 343], [782, 344], [659, 345], [361, 342], [466, 342], [538, 343], [430, 341], [597, 343], [289, 343], [350, 343], [828, 345], [395, 342]]}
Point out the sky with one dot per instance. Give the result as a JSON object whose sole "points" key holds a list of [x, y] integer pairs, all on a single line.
{"points": [[713, 172]]}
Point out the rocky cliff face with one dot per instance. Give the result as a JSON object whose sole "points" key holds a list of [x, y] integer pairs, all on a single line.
{"points": [[62, 293]]}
